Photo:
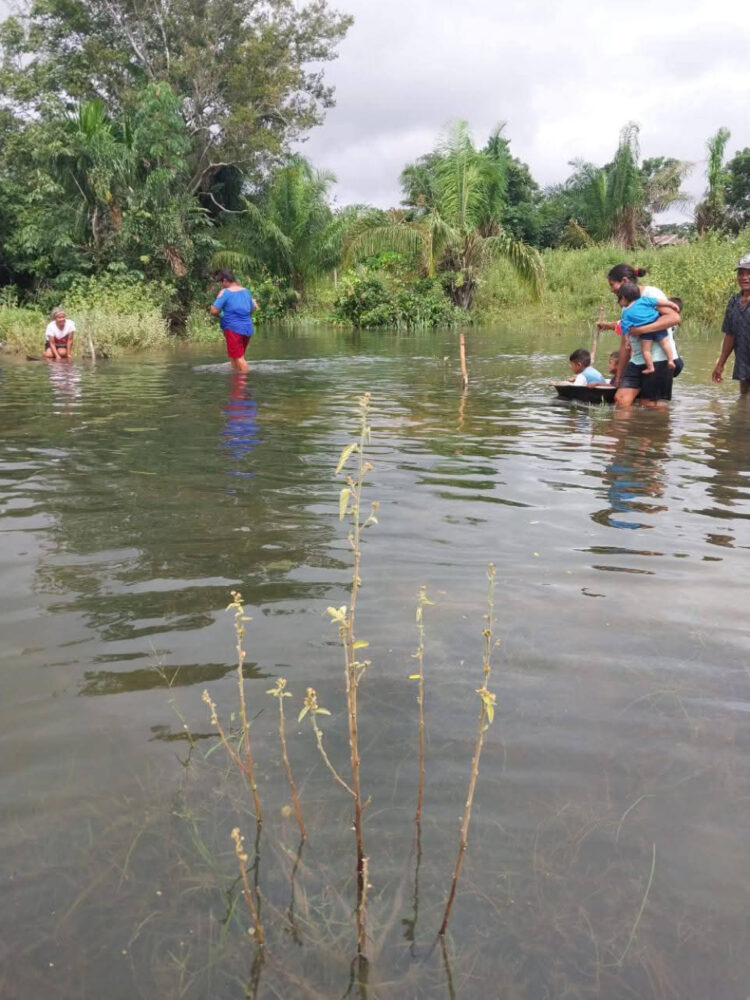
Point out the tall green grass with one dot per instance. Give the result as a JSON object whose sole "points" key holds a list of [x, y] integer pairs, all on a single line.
{"points": [[117, 314], [700, 273]]}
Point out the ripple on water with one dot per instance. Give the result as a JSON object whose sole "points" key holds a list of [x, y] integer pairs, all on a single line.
{"points": [[136, 495]]}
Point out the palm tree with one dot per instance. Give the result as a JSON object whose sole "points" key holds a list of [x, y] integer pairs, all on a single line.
{"points": [[616, 202], [292, 232], [455, 229], [92, 167], [711, 212]]}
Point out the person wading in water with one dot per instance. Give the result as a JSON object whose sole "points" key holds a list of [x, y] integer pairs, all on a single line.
{"points": [[234, 306]]}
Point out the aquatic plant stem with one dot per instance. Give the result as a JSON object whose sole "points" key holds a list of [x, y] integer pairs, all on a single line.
{"points": [[634, 928], [245, 761], [486, 716], [239, 628], [311, 706], [280, 693], [350, 502], [353, 674], [247, 892]]}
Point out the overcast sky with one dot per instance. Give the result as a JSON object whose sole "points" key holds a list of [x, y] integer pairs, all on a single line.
{"points": [[566, 75]]}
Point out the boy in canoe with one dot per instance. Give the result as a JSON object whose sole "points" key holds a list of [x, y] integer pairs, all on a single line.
{"points": [[583, 371]]}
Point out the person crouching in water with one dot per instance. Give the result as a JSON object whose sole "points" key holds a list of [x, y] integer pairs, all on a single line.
{"points": [[58, 337], [640, 310], [583, 372]]}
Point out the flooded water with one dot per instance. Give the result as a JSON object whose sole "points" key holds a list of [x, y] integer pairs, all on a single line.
{"points": [[608, 852]]}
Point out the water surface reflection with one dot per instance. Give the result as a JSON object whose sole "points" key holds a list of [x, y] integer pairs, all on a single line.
{"points": [[608, 855]]}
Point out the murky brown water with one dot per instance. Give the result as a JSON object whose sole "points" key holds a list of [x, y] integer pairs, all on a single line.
{"points": [[608, 852]]}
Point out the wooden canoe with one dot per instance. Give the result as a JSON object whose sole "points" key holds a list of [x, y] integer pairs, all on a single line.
{"points": [[585, 393]]}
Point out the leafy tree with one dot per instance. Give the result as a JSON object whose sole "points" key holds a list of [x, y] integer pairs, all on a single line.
{"points": [[711, 213], [247, 73], [456, 227], [521, 196], [291, 232], [737, 190], [102, 190]]}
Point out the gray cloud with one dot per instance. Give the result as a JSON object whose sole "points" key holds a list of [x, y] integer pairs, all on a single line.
{"points": [[565, 76]]}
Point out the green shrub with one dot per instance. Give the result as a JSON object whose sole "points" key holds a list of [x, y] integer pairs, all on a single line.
{"points": [[377, 297], [201, 327]]}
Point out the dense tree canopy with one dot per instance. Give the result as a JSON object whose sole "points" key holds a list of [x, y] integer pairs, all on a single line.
{"points": [[241, 68], [128, 129]]}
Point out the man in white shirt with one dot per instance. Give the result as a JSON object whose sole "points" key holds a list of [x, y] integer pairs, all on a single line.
{"points": [[59, 336]]}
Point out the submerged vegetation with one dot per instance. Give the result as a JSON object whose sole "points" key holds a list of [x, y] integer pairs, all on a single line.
{"points": [[237, 742]]}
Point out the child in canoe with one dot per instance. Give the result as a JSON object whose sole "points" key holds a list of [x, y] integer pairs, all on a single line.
{"points": [[583, 371]]}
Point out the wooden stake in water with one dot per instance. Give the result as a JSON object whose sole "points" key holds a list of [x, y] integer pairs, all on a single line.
{"points": [[462, 357], [597, 331]]}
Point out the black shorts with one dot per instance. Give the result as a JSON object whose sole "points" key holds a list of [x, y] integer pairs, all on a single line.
{"points": [[656, 386]]}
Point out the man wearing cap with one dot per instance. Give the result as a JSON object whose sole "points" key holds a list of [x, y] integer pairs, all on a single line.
{"points": [[736, 330]]}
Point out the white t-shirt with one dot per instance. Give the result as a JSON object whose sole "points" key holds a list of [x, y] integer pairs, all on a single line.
{"points": [[53, 331]]}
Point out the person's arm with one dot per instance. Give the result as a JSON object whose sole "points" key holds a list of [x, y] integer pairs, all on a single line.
{"points": [[727, 346], [668, 317], [622, 360], [602, 325], [53, 347], [71, 337], [216, 307]]}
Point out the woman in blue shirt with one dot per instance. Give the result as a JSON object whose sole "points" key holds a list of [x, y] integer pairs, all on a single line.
{"points": [[234, 306]]}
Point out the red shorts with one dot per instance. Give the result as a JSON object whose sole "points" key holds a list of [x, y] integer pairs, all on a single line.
{"points": [[236, 344]]}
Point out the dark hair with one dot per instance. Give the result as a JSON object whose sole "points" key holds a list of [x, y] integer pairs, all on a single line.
{"points": [[582, 356], [224, 275], [629, 291], [614, 354], [676, 301], [624, 272]]}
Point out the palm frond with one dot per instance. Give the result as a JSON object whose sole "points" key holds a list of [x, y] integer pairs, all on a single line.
{"points": [[235, 260], [400, 237], [525, 260]]}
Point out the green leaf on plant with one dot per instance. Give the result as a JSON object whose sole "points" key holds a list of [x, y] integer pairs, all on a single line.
{"points": [[344, 502], [346, 455]]}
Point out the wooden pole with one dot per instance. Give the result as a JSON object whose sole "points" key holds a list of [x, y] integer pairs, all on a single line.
{"points": [[462, 356], [91, 345], [595, 341]]}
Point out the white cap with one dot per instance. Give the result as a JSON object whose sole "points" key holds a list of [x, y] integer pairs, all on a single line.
{"points": [[744, 263]]}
